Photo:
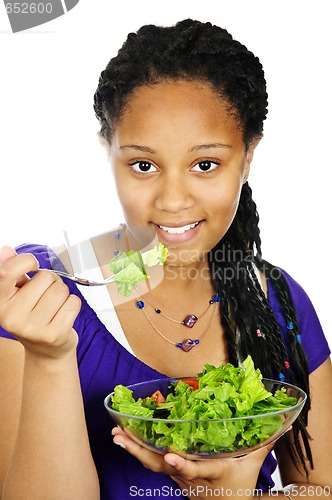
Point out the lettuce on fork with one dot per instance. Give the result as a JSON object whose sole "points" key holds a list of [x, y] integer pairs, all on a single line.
{"points": [[129, 268], [225, 392]]}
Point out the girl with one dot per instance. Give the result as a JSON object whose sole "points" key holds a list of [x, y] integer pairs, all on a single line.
{"points": [[181, 111]]}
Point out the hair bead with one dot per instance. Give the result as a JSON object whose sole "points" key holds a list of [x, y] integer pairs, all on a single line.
{"points": [[299, 339], [290, 325]]}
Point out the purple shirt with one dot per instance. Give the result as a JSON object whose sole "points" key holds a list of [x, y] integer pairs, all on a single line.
{"points": [[104, 363]]}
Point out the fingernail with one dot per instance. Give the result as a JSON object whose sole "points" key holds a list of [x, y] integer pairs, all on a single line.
{"points": [[169, 461], [122, 445], [115, 430]]}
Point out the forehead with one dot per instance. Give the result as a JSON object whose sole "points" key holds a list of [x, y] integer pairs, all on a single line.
{"points": [[177, 106]]}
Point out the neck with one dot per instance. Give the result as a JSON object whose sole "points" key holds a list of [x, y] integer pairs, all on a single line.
{"points": [[180, 279]]}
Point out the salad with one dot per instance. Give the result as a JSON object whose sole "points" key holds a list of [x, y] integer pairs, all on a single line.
{"points": [[217, 393], [129, 268]]}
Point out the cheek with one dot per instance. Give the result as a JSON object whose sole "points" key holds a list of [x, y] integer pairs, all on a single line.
{"points": [[129, 204], [224, 208], [125, 191], [226, 197], [135, 203]]}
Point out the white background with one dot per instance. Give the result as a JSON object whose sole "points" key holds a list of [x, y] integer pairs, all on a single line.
{"points": [[55, 175]]}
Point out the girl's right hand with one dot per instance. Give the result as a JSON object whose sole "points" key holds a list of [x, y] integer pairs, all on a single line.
{"points": [[40, 311]]}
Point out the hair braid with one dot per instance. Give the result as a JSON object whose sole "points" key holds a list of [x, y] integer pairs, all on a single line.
{"points": [[299, 362], [298, 356], [227, 323], [257, 332], [275, 348]]}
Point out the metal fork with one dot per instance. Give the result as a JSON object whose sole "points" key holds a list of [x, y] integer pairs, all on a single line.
{"points": [[83, 281]]}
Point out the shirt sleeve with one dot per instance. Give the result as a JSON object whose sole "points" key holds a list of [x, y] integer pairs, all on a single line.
{"points": [[313, 339]]}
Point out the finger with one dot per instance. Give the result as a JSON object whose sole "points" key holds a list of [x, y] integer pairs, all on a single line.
{"points": [[56, 300], [210, 469], [117, 431], [262, 452], [44, 301], [191, 469], [66, 315], [150, 459], [35, 288], [14, 269]]}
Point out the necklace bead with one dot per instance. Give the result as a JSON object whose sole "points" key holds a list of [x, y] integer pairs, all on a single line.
{"points": [[187, 344], [190, 320]]}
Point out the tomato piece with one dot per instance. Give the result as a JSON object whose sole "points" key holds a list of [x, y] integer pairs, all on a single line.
{"points": [[193, 382], [158, 397]]}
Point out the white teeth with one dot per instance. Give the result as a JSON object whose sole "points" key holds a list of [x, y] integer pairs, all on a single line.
{"points": [[179, 230]]}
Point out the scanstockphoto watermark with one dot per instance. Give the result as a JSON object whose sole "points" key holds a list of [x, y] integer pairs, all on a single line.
{"points": [[225, 264], [28, 14], [193, 491], [225, 273], [245, 493], [239, 271]]}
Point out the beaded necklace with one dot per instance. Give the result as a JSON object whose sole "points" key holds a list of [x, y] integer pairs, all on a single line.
{"points": [[189, 321], [187, 344]]}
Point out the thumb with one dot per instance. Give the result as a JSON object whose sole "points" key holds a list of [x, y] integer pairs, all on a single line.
{"points": [[261, 453], [6, 253]]}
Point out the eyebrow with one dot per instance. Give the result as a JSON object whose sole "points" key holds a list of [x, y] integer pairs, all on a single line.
{"points": [[214, 145], [146, 149]]}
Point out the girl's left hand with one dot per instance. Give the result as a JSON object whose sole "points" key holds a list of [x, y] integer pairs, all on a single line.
{"points": [[231, 477]]}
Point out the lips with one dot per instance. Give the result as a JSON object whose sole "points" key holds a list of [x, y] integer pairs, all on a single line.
{"points": [[178, 229]]}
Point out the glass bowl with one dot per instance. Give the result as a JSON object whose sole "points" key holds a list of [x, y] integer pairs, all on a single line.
{"points": [[189, 438]]}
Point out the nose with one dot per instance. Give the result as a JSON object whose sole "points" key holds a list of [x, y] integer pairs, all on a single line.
{"points": [[174, 193]]}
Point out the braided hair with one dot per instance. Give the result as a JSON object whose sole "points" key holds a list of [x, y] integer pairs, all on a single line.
{"points": [[197, 51]]}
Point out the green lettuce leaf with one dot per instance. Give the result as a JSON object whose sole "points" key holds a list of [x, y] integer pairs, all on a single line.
{"points": [[129, 268], [155, 256]]}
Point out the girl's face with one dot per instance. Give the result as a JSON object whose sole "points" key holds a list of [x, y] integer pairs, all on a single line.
{"points": [[179, 163]]}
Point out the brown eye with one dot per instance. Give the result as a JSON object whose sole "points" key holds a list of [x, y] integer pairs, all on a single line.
{"points": [[205, 166], [143, 167]]}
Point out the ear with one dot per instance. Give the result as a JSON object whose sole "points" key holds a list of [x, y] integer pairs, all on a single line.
{"points": [[249, 157]]}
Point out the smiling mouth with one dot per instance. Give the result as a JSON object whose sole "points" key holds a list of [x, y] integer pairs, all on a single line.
{"points": [[179, 229]]}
